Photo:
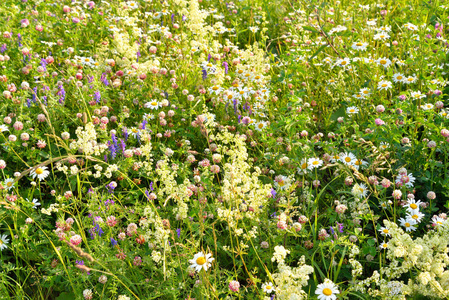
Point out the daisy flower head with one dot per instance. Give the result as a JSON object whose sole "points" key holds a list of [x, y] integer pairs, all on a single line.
{"points": [[384, 231], [384, 145], [417, 95], [409, 224], [438, 221], [412, 205], [3, 242], [9, 183], [383, 245], [359, 190], [153, 104], [384, 85], [314, 163], [415, 215], [201, 261], [359, 46], [327, 290], [406, 179], [303, 167], [398, 77], [40, 172], [365, 92], [352, 110], [348, 159], [282, 182], [3, 128], [383, 36], [409, 79], [343, 62], [360, 163], [427, 106], [35, 202], [259, 126], [385, 62], [268, 287]]}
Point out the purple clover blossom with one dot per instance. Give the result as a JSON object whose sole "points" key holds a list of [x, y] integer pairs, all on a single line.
{"points": [[209, 57], [144, 124], [3, 48], [273, 193], [90, 79], [235, 106], [151, 186], [178, 232], [204, 74]]}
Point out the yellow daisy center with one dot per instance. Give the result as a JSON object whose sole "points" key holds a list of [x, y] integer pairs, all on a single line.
{"points": [[385, 245], [281, 183], [327, 291], [201, 260], [9, 184], [268, 287], [413, 206], [260, 125], [399, 78], [343, 63], [39, 171], [385, 231], [316, 162], [415, 217], [359, 44], [384, 85], [347, 159], [215, 88], [383, 61], [304, 166], [407, 224]]}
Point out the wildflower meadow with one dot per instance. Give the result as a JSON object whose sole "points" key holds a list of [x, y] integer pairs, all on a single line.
{"points": [[217, 149]]}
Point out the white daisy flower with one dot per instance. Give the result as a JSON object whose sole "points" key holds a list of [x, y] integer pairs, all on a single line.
{"points": [[359, 190], [260, 125], [9, 183], [384, 85], [327, 290], [303, 167], [40, 172], [268, 287], [398, 77], [384, 231], [385, 62], [3, 128], [348, 159], [314, 162], [3, 242], [415, 215], [201, 261], [383, 245], [153, 104], [359, 46], [352, 110], [35, 202], [408, 223]]}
